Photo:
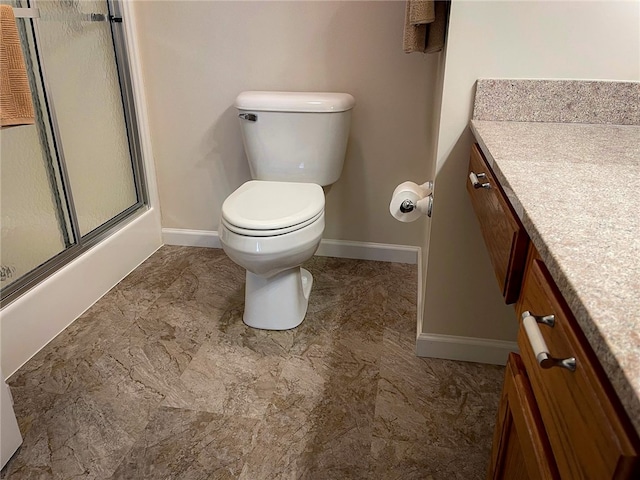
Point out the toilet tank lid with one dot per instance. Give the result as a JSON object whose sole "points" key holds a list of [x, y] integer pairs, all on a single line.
{"points": [[295, 101]]}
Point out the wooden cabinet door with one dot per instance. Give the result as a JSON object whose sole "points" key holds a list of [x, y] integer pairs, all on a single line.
{"points": [[590, 434], [521, 450], [504, 236]]}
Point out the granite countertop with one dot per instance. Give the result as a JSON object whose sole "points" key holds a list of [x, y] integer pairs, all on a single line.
{"points": [[576, 188]]}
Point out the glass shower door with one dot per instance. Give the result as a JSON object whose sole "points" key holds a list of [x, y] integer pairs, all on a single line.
{"points": [[35, 220], [75, 46], [70, 179]]}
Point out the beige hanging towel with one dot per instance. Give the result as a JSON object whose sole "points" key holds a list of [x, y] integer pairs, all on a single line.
{"points": [[425, 25], [16, 106]]}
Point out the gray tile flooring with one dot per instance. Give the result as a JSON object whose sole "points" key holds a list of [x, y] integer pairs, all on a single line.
{"points": [[161, 379]]}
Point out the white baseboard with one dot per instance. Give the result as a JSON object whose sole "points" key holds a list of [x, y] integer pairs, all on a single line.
{"points": [[381, 252], [466, 349], [328, 248], [420, 294], [191, 238]]}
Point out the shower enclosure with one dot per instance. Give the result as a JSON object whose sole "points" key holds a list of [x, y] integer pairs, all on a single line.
{"points": [[69, 180]]}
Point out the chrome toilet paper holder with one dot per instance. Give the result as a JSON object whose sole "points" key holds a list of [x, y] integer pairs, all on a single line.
{"points": [[409, 206]]}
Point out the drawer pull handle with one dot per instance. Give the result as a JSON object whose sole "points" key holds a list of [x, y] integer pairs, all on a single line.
{"points": [[476, 183], [548, 320], [539, 346]]}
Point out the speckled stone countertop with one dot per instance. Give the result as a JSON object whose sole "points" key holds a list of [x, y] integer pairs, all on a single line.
{"points": [[562, 101], [576, 188]]}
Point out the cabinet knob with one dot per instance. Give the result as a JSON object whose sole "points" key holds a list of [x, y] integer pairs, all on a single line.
{"points": [[476, 183], [539, 346]]}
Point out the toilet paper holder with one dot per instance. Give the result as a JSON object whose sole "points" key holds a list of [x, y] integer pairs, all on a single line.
{"points": [[409, 206], [410, 201]]}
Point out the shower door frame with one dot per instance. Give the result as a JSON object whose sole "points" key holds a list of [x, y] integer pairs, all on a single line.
{"points": [[83, 243]]}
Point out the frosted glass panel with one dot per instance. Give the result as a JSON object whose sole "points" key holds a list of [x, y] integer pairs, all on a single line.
{"points": [[33, 218], [76, 50], [31, 233]]}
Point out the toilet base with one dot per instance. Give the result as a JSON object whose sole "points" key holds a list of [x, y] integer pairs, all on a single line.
{"points": [[279, 302]]}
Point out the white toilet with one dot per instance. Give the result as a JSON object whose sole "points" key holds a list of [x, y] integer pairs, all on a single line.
{"points": [[295, 143]]}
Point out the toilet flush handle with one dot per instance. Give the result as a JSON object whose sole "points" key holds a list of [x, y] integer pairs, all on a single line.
{"points": [[252, 117]]}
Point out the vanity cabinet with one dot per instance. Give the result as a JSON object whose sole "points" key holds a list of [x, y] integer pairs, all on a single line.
{"points": [[504, 235], [559, 416]]}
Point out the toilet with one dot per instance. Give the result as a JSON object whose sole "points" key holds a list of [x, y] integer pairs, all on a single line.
{"points": [[295, 143]]}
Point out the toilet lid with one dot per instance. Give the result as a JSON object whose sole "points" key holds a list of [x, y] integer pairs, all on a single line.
{"points": [[265, 205]]}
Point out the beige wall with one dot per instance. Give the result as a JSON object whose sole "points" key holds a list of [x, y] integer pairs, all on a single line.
{"points": [[197, 56], [587, 40]]}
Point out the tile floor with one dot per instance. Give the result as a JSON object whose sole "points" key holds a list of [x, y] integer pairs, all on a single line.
{"points": [[161, 379]]}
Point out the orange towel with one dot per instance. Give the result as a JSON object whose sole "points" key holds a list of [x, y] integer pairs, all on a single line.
{"points": [[425, 25], [16, 106]]}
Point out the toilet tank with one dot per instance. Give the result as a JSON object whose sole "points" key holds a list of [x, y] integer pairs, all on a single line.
{"points": [[295, 136]]}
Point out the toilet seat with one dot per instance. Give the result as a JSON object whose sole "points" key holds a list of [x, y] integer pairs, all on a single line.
{"points": [[269, 233], [266, 208]]}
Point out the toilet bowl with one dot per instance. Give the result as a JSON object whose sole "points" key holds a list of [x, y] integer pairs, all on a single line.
{"points": [[270, 229]]}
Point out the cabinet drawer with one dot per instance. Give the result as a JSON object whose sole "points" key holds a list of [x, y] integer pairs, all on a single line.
{"points": [[588, 430], [520, 449], [504, 236]]}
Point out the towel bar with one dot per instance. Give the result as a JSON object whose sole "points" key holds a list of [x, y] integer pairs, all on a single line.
{"points": [[89, 17], [26, 12]]}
